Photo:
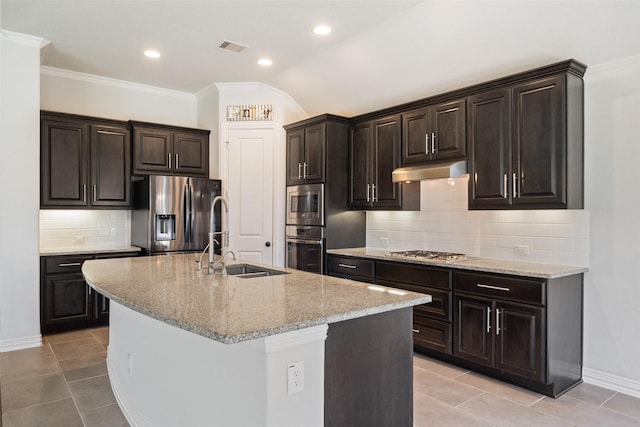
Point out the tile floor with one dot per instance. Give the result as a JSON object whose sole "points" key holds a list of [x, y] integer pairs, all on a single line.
{"points": [[64, 383]]}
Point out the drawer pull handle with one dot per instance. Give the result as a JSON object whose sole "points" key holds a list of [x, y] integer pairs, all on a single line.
{"points": [[347, 266], [488, 320], [416, 331], [70, 264], [495, 288], [498, 321]]}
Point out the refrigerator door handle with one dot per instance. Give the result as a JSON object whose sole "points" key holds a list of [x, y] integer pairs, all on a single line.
{"points": [[187, 214]]}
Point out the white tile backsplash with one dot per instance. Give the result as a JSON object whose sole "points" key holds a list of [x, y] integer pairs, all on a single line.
{"points": [[444, 223], [84, 229]]}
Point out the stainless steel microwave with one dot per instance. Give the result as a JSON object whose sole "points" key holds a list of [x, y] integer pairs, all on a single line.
{"points": [[305, 204]]}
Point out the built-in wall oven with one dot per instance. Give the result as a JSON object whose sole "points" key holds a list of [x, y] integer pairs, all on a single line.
{"points": [[305, 230]]}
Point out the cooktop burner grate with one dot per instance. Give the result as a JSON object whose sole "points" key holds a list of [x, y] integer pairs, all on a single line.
{"points": [[428, 255]]}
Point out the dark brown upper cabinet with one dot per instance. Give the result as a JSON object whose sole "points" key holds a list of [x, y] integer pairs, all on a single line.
{"points": [[306, 154], [84, 162], [166, 150], [526, 143], [374, 148], [434, 132]]}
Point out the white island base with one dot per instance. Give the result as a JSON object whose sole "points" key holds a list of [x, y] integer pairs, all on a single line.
{"points": [[162, 375]]}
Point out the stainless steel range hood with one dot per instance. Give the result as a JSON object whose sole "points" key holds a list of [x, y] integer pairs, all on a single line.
{"points": [[438, 171]]}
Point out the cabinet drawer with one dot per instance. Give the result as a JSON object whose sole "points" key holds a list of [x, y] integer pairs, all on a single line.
{"points": [[530, 291], [347, 267], [432, 334], [65, 264], [414, 274], [439, 307]]}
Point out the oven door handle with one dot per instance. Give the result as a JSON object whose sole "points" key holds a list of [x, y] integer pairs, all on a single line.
{"points": [[307, 241]]}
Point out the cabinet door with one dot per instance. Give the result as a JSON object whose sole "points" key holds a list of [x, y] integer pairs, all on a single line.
{"points": [[360, 164], [295, 156], [110, 166], [152, 151], [519, 334], [416, 136], [386, 158], [449, 130], [314, 153], [64, 163], [191, 153], [489, 149], [539, 145], [66, 300], [473, 335]]}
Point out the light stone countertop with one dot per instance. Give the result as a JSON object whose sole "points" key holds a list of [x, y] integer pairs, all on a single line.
{"points": [[527, 269], [234, 309], [80, 251]]}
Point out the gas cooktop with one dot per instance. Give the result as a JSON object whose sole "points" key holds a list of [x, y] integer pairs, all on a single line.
{"points": [[428, 255]]}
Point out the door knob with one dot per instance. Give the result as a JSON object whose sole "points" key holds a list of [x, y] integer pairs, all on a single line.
{"points": [[267, 244]]}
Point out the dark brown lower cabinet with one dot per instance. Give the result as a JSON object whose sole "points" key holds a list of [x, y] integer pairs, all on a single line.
{"points": [[66, 301], [527, 331]]}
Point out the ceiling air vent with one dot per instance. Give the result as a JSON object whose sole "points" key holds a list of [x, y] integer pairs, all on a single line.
{"points": [[232, 47]]}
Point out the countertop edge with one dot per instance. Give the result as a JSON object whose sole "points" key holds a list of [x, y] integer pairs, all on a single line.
{"points": [[513, 268], [83, 251]]}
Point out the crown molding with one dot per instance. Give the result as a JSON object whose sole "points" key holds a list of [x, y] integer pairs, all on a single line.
{"points": [[25, 39], [255, 86], [107, 81], [614, 68]]}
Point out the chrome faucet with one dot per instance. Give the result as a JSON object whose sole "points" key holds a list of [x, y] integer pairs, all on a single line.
{"points": [[224, 238], [223, 258]]}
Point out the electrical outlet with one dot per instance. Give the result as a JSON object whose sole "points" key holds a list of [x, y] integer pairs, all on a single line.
{"points": [[295, 378], [521, 250]]}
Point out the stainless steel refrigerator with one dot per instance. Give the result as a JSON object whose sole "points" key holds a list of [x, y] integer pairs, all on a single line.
{"points": [[172, 213]]}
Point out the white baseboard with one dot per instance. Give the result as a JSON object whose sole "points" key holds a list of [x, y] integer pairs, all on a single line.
{"points": [[612, 382], [20, 343]]}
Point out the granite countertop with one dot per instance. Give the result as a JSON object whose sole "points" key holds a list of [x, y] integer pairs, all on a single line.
{"points": [[527, 269], [80, 251], [234, 309]]}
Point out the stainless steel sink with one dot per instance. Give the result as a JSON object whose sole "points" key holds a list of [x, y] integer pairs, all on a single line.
{"points": [[248, 271]]}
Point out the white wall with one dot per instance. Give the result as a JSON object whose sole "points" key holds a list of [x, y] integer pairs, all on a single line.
{"points": [[85, 94], [612, 289], [208, 118], [285, 110], [444, 223], [19, 186]]}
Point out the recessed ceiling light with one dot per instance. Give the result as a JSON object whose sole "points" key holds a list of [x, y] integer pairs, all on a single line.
{"points": [[150, 53], [265, 62], [322, 30]]}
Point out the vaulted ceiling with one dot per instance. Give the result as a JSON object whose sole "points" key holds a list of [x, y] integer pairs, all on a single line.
{"points": [[380, 53]]}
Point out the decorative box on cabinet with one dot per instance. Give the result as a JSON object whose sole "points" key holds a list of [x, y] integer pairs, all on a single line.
{"points": [[168, 150], [85, 162], [374, 148], [435, 132], [526, 141]]}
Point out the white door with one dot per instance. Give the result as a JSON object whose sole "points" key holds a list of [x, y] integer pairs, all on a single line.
{"points": [[250, 194]]}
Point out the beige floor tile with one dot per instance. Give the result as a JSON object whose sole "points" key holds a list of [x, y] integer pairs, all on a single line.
{"points": [[429, 412], [68, 336], [107, 416], [590, 393], [101, 335], [441, 388], [438, 367], [500, 388], [582, 413], [74, 349], [61, 413], [10, 357], [624, 404], [28, 366], [92, 393], [93, 365], [503, 412], [19, 394]]}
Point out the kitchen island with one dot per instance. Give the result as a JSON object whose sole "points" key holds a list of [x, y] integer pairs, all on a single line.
{"points": [[187, 348]]}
